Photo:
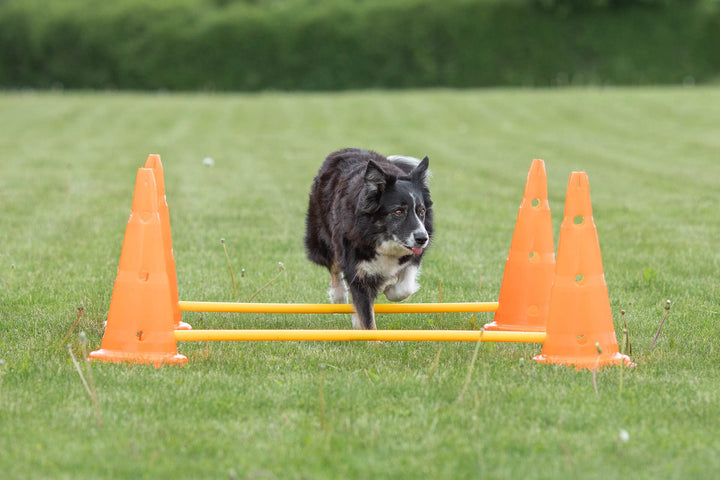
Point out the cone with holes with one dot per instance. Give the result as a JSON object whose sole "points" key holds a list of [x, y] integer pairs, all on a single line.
{"points": [[580, 318], [153, 162], [140, 325], [525, 292]]}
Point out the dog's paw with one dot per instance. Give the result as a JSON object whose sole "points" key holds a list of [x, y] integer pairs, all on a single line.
{"points": [[338, 293], [400, 291], [338, 297]]}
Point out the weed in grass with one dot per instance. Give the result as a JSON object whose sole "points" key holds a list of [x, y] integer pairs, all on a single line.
{"points": [[321, 396], [434, 365], [2, 368], [470, 368], [91, 378], [89, 388], [80, 309], [595, 367], [281, 269], [232, 275], [440, 300], [628, 350], [626, 334], [9, 277], [667, 311], [649, 274]]}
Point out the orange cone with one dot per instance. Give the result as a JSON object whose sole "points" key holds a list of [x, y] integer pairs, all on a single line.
{"points": [[153, 162], [580, 315], [525, 292], [140, 321]]}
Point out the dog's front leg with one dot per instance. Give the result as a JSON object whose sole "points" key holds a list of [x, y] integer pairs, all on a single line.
{"points": [[363, 298], [405, 286], [338, 290]]}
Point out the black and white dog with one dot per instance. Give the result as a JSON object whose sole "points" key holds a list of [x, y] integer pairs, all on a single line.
{"points": [[369, 221]]}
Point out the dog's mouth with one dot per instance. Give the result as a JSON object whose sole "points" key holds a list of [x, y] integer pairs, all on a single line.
{"points": [[417, 250]]}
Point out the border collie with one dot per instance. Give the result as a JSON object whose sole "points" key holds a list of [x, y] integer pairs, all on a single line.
{"points": [[369, 222]]}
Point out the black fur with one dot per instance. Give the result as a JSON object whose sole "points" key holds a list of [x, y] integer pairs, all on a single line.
{"points": [[369, 219]]}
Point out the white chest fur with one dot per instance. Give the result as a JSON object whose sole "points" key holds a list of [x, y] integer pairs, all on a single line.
{"points": [[381, 266], [400, 280], [385, 263]]}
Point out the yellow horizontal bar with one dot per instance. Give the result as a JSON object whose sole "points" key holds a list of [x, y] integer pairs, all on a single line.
{"points": [[230, 307], [358, 335]]}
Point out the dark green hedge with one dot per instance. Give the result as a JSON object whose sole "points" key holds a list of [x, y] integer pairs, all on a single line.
{"points": [[342, 44]]}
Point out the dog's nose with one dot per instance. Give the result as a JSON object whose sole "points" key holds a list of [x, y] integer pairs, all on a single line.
{"points": [[420, 238]]}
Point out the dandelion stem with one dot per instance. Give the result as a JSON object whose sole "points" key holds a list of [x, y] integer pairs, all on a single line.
{"points": [[470, 368], [87, 387], [594, 372], [440, 299], [626, 333], [2, 365], [434, 365], [77, 320], [281, 269], [667, 310], [232, 275], [627, 352], [321, 397], [91, 379]]}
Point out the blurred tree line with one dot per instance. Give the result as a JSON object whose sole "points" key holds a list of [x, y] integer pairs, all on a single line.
{"points": [[351, 44]]}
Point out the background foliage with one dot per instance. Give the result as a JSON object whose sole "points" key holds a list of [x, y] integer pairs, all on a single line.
{"points": [[351, 44]]}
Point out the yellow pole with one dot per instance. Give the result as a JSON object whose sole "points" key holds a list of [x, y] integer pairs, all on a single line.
{"points": [[230, 307], [358, 335]]}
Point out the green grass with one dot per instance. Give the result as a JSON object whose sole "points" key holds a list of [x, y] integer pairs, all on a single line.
{"points": [[253, 410]]}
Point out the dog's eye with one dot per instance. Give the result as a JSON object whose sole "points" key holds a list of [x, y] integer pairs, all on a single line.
{"points": [[399, 212], [421, 211]]}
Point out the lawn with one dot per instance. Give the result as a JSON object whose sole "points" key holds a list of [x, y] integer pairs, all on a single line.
{"points": [[355, 410]]}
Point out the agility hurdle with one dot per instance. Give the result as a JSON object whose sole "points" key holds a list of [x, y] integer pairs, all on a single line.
{"points": [[321, 308], [144, 321], [357, 335], [290, 335]]}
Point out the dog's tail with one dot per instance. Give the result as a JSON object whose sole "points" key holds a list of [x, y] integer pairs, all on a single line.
{"points": [[405, 163]]}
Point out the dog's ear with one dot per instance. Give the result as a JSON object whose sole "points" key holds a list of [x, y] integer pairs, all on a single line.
{"points": [[376, 181], [419, 174]]}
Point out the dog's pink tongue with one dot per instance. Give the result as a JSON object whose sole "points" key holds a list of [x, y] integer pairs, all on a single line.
{"points": [[417, 250]]}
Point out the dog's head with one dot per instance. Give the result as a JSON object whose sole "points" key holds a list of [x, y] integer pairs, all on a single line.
{"points": [[400, 208]]}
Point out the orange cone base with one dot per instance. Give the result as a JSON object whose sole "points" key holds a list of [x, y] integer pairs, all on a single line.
{"points": [[156, 359], [513, 328], [590, 362]]}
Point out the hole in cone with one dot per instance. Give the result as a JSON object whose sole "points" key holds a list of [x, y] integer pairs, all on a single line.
{"points": [[579, 279], [581, 340], [534, 257], [579, 220], [535, 203]]}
